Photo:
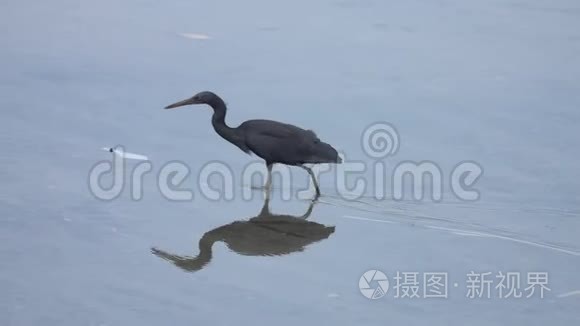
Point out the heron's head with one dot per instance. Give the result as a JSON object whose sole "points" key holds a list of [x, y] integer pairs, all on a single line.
{"points": [[204, 97]]}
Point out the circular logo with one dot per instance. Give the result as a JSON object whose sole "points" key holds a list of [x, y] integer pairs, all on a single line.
{"points": [[380, 140], [373, 284]]}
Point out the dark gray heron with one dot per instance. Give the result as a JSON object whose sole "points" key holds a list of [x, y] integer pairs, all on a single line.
{"points": [[266, 234], [273, 141]]}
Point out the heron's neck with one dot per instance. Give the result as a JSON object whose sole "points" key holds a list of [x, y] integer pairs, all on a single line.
{"points": [[218, 121], [192, 264]]}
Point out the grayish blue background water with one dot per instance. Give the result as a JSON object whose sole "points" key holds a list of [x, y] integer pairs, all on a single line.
{"points": [[495, 82]]}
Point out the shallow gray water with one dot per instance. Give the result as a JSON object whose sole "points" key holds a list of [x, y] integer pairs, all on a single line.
{"points": [[495, 82]]}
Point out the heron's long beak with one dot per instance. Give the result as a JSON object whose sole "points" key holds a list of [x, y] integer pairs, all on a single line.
{"points": [[188, 101]]}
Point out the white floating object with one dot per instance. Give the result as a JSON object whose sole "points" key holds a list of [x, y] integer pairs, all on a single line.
{"points": [[121, 153], [569, 294], [195, 36]]}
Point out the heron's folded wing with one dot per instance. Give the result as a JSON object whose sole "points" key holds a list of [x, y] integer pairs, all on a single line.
{"points": [[279, 130]]}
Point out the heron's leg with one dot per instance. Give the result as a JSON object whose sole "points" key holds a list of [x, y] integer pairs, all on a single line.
{"points": [[309, 211], [268, 185], [266, 208], [265, 212], [309, 170]]}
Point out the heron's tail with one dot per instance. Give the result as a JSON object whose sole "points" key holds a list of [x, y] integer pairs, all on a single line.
{"points": [[324, 153]]}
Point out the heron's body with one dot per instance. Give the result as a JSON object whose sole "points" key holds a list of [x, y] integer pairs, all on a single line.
{"points": [[274, 142], [277, 142]]}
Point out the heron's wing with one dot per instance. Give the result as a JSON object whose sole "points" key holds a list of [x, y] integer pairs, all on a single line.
{"points": [[279, 142], [279, 130], [315, 138]]}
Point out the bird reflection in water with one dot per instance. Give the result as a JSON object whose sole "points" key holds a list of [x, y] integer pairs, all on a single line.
{"points": [[264, 235]]}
